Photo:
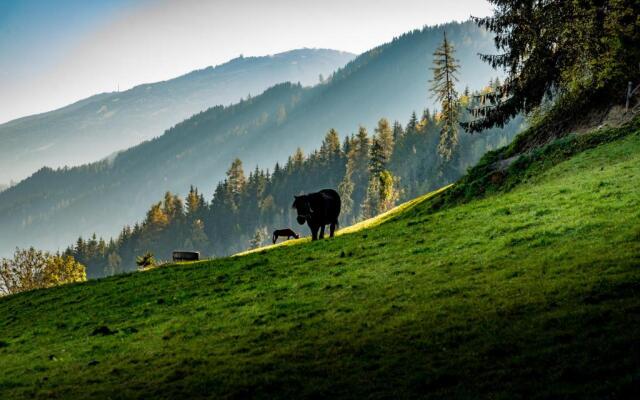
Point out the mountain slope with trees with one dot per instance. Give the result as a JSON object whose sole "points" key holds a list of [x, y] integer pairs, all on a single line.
{"points": [[371, 171], [50, 209], [100, 125]]}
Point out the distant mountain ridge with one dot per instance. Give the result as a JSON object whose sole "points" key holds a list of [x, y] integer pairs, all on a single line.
{"points": [[50, 209], [92, 128]]}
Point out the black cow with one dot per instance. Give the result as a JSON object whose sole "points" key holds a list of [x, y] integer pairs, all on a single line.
{"points": [[317, 210]]}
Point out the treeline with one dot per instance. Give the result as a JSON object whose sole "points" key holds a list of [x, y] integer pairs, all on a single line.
{"points": [[372, 171]]}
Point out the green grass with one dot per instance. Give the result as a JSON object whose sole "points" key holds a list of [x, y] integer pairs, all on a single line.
{"points": [[532, 292]]}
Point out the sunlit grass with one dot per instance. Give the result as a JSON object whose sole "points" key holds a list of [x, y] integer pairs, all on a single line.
{"points": [[366, 224]]}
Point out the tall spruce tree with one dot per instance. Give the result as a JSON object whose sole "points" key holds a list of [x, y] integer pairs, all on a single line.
{"points": [[583, 52], [330, 148], [345, 189], [236, 182], [388, 191], [381, 193], [384, 135], [378, 158], [412, 126], [194, 203], [445, 67], [359, 159], [236, 177], [398, 132]]}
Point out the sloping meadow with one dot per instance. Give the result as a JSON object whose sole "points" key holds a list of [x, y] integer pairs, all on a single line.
{"points": [[530, 292]]}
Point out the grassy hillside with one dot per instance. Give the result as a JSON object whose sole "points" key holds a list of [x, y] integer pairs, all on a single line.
{"points": [[531, 292]]}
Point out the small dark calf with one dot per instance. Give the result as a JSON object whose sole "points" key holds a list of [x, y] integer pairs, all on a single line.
{"points": [[284, 232]]}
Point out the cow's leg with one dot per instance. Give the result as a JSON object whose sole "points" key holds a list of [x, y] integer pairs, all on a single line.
{"points": [[314, 232], [332, 229], [322, 232]]}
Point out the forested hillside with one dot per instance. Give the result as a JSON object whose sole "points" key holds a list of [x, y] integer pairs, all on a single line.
{"points": [[93, 128], [50, 209], [248, 205]]}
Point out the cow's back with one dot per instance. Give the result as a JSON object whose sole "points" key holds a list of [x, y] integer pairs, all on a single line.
{"points": [[332, 203]]}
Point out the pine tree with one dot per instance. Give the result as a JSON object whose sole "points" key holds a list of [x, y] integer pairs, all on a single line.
{"points": [[362, 144], [194, 203], [384, 135], [443, 87], [398, 132], [219, 219], [79, 250], [583, 51], [356, 149], [369, 206], [378, 158], [381, 193], [412, 126], [156, 217], [298, 159], [330, 148], [234, 185], [345, 190], [377, 164], [388, 192], [359, 166], [426, 116], [173, 207], [236, 177]]}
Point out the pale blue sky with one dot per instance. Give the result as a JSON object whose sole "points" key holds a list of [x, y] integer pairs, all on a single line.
{"points": [[55, 52]]}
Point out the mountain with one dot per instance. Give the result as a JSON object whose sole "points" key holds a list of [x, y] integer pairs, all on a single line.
{"points": [[52, 207], [528, 292], [95, 127]]}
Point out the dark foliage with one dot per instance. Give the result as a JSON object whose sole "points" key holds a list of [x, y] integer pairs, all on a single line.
{"points": [[586, 50]]}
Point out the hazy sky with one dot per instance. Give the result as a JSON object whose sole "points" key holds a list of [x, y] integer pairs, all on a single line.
{"points": [[55, 52]]}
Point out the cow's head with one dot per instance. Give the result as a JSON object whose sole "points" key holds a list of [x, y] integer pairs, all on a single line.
{"points": [[301, 204]]}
